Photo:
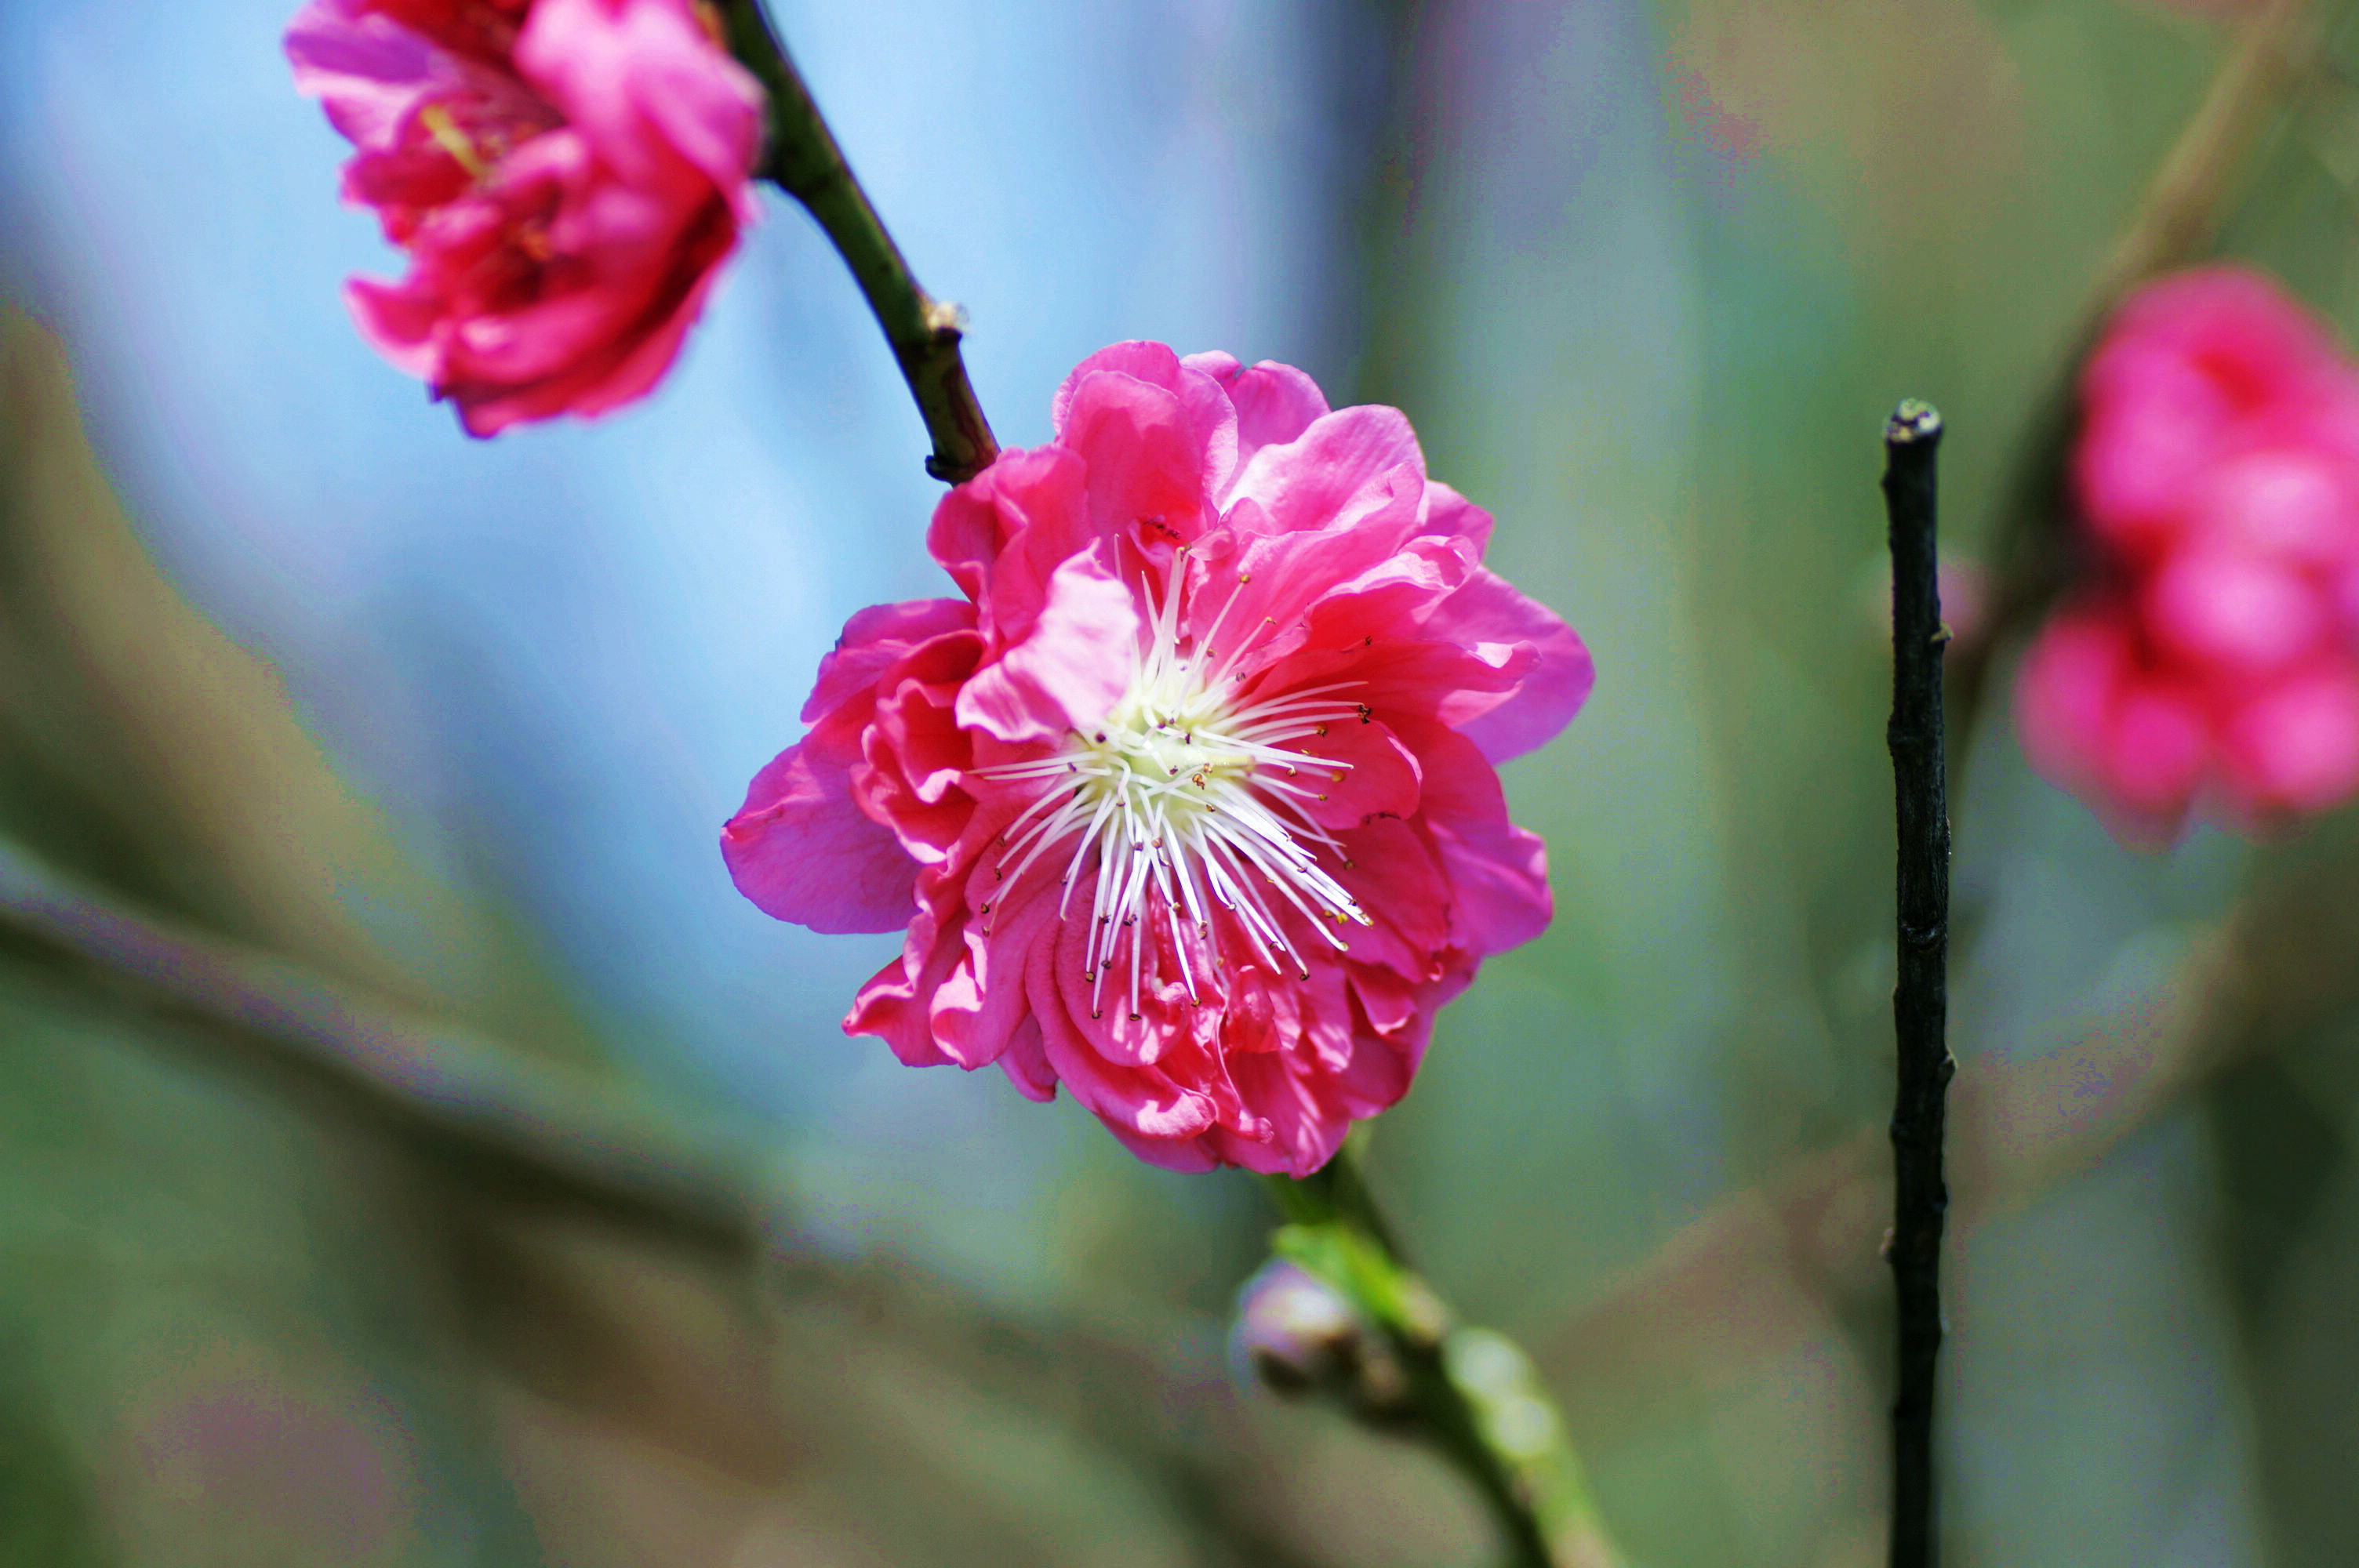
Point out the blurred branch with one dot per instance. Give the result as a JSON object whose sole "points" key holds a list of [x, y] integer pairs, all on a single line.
{"points": [[2275, 55], [491, 1110], [2188, 198], [803, 161], [512, 1138], [1769, 1270], [1921, 1005], [1471, 1393]]}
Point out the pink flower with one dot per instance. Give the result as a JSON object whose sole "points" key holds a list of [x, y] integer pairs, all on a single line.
{"points": [[567, 175], [1188, 802], [2214, 656]]}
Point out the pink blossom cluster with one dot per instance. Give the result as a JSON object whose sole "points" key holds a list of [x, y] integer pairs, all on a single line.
{"points": [[1187, 800], [566, 176], [2212, 659]]}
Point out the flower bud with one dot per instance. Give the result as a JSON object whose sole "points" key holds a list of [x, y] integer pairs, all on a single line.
{"points": [[1299, 1335]]}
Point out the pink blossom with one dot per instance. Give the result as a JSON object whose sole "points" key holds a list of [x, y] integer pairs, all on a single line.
{"points": [[1188, 801], [567, 175], [2212, 659]]}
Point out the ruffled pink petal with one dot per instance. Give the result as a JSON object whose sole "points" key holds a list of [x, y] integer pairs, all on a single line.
{"points": [[400, 323], [1145, 462], [1153, 363], [643, 78], [1314, 480], [1499, 624], [1070, 670], [802, 851], [566, 192], [1282, 575], [977, 1007], [1497, 872], [1452, 514], [1393, 869], [1393, 599], [1379, 776], [1378, 1075], [1306, 1127], [367, 71], [1275, 404], [896, 1005], [1141, 1101], [1025, 1063], [874, 641], [914, 752]]}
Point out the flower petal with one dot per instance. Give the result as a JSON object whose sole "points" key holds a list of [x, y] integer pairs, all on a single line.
{"points": [[803, 851]]}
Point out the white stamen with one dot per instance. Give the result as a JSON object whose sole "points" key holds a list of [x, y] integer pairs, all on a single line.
{"points": [[1188, 793]]}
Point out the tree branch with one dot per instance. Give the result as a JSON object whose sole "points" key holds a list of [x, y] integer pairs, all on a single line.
{"points": [[802, 160], [489, 1110], [1920, 1000]]}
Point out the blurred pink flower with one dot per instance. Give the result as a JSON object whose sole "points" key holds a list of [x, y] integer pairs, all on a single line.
{"points": [[1188, 802], [567, 175], [2212, 659]]}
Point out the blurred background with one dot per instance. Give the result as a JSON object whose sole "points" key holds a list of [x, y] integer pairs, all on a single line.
{"points": [[414, 1151]]}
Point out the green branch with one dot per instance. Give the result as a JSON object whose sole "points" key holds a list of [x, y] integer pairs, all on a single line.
{"points": [[1471, 1392], [802, 160]]}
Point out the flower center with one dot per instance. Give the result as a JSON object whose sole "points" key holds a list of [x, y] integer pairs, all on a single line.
{"points": [[1189, 799]]}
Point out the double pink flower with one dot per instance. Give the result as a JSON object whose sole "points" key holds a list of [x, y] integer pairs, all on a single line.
{"points": [[565, 174], [2211, 658], [1187, 800]]}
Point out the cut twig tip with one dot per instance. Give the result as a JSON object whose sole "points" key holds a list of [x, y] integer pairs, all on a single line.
{"points": [[1914, 420]]}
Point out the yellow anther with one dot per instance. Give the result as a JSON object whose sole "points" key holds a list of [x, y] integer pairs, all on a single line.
{"points": [[454, 141]]}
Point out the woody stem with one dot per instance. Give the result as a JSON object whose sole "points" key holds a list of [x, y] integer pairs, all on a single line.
{"points": [[801, 159], [1471, 1394], [1920, 998]]}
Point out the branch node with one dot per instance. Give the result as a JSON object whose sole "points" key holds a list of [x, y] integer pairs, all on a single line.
{"points": [[946, 319]]}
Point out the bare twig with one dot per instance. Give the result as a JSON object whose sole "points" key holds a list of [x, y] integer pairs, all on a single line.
{"points": [[803, 159], [1920, 999]]}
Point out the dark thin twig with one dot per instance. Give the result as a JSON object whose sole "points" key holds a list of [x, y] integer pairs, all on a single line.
{"points": [[1920, 1000], [803, 161]]}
